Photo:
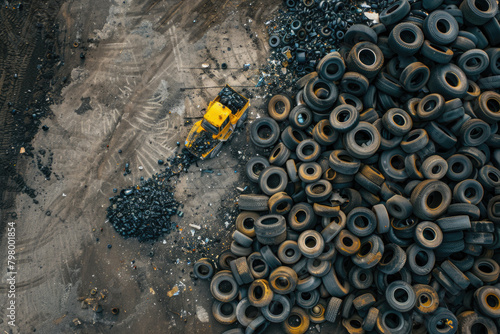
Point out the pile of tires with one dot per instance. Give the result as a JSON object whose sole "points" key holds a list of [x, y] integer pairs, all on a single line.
{"points": [[380, 195]]}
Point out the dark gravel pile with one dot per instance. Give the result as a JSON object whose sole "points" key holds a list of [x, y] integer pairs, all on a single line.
{"points": [[145, 211]]}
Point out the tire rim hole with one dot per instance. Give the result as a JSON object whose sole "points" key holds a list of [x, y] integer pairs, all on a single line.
{"points": [[363, 277], [318, 189], [479, 328], [399, 120], [392, 9], [425, 300], [277, 152], [226, 309], [443, 26], [365, 249], [485, 267], [294, 321], [352, 86], [289, 252], [203, 270], [429, 234], [443, 324], [297, 136], [258, 292], [306, 296], [394, 277], [363, 138], [429, 105], [279, 107], [321, 93], [328, 130], [387, 257], [408, 36], [346, 158], [397, 162], [264, 131], [310, 171], [396, 208], [332, 68], [258, 265], [493, 177], [482, 5], [361, 222], [351, 102], [251, 312], [269, 221], [282, 207], [343, 116], [316, 263], [273, 181], [417, 78], [493, 301], [355, 323], [470, 193], [310, 242], [493, 105], [367, 57], [436, 169], [421, 258], [401, 295], [276, 308], [248, 223], [457, 167], [301, 216], [473, 62], [225, 286], [434, 199], [308, 149], [452, 79], [282, 282], [413, 137], [392, 320], [347, 241], [258, 168], [476, 133]]}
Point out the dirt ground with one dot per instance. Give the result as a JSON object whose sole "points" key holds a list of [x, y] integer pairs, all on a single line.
{"points": [[141, 78]]}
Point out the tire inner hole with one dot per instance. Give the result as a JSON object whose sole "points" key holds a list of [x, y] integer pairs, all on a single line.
{"points": [[485, 267], [399, 120], [436, 169], [269, 221], [226, 309], [258, 265], [417, 78], [361, 222], [332, 68], [347, 241], [443, 26], [482, 5], [429, 105], [328, 130], [310, 171], [425, 300], [387, 257], [401, 295], [434, 199], [397, 162], [318, 189], [343, 116], [276, 152], [282, 282], [203, 270], [225, 286], [283, 206], [275, 307], [306, 295], [470, 192], [294, 321], [352, 86], [421, 258], [457, 167], [363, 138], [429, 234], [290, 252], [408, 36], [264, 131], [248, 223], [273, 181], [258, 168], [367, 57], [308, 149], [476, 133], [493, 177], [493, 301], [365, 249], [279, 107], [473, 62], [310, 242], [251, 312], [258, 292], [452, 79], [301, 216], [355, 323], [392, 320], [493, 105]]}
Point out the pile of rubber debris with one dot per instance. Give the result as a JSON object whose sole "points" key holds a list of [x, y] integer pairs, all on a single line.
{"points": [[379, 203], [145, 211], [303, 33]]}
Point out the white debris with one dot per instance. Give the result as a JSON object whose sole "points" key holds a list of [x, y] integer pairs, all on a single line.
{"points": [[198, 227]]}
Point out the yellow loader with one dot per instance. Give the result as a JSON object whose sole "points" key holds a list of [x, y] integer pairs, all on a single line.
{"points": [[226, 113]]}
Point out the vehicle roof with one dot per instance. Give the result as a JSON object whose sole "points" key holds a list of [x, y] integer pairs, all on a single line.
{"points": [[217, 114]]}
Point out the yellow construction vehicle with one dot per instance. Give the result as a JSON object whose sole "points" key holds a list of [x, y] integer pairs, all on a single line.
{"points": [[226, 113]]}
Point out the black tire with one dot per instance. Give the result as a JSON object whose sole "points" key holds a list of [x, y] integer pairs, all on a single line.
{"points": [[203, 268], [354, 83], [479, 12], [360, 33], [308, 150], [400, 304], [301, 217], [365, 58], [430, 107], [399, 207], [487, 270], [318, 191], [269, 311], [242, 239], [301, 83], [224, 312], [455, 274], [441, 135], [414, 141], [347, 243], [288, 252], [253, 202], [437, 53], [257, 265], [459, 167], [468, 321], [310, 172], [393, 259], [449, 81], [246, 312], [361, 222], [468, 191], [474, 132], [279, 107], [331, 67], [428, 235], [228, 294], [280, 203], [341, 162], [397, 121], [272, 180], [240, 250], [440, 27], [279, 155], [264, 132], [434, 167], [370, 252], [486, 107], [324, 134], [270, 229], [260, 293], [300, 117], [320, 103], [333, 309], [406, 39], [430, 199], [395, 12], [432, 301], [254, 167], [283, 280], [344, 118], [487, 299], [479, 60], [362, 141], [414, 77], [311, 243], [292, 137]]}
